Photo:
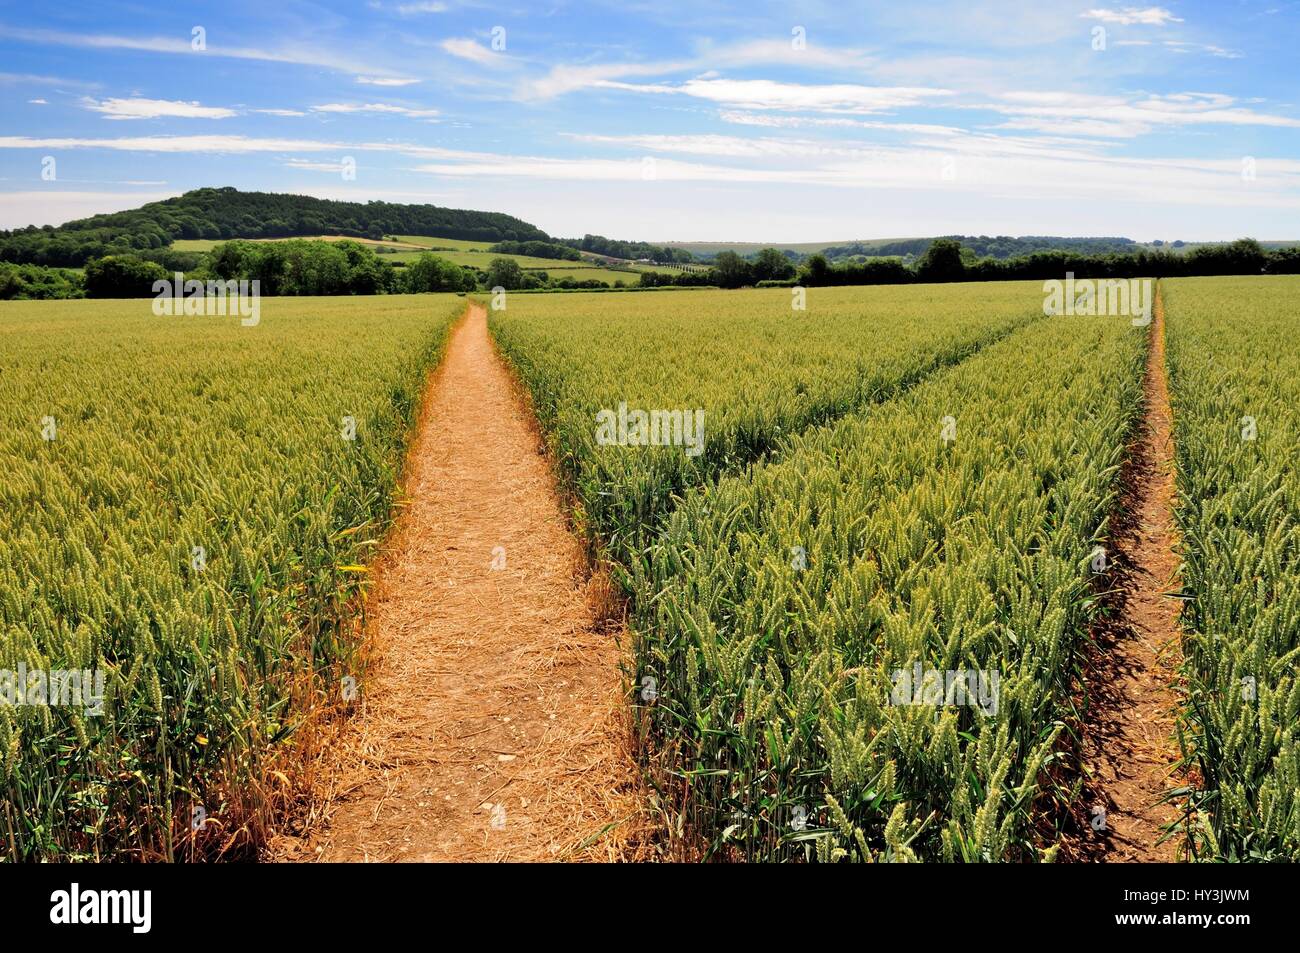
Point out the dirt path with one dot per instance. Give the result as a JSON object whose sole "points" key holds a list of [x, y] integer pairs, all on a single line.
{"points": [[492, 725], [1128, 749]]}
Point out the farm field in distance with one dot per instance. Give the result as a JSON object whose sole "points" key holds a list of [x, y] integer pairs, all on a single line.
{"points": [[405, 249]]}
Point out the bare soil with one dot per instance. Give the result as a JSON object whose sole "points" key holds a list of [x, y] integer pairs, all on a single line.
{"points": [[493, 725], [1128, 750]]}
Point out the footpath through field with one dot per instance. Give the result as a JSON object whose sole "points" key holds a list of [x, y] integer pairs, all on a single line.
{"points": [[1128, 750], [492, 723]]}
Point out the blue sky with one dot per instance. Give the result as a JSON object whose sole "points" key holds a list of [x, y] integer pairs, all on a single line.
{"points": [[708, 121]]}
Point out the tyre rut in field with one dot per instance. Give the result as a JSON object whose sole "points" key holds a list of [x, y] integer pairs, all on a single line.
{"points": [[492, 726], [1128, 752]]}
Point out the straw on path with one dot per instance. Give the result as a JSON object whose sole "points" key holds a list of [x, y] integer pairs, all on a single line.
{"points": [[1129, 752], [492, 726]]}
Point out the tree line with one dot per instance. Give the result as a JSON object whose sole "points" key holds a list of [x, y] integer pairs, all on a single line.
{"points": [[634, 251], [947, 260], [537, 249], [305, 267], [289, 267], [984, 246]]}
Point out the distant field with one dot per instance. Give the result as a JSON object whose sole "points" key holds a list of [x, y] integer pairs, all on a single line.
{"points": [[207, 244], [450, 244], [604, 274], [749, 248], [406, 248], [481, 259]]}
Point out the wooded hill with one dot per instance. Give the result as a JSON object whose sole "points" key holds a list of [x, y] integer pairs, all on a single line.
{"points": [[229, 213]]}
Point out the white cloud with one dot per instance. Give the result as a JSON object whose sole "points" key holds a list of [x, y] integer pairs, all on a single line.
{"points": [[767, 52], [472, 51], [988, 169], [946, 138], [214, 144], [384, 108], [1117, 117], [137, 108], [227, 144], [716, 145], [1145, 16], [312, 166], [615, 170], [39, 102], [35, 80], [566, 79], [414, 9], [386, 81], [1182, 46], [769, 94], [768, 120], [279, 112], [335, 60]]}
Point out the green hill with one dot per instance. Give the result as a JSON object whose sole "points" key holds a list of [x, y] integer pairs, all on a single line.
{"points": [[229, 213]]}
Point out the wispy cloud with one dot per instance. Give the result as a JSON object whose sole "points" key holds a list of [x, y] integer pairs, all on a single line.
{"points": [[386, 81], [473, 51], [335, 60], [214, 144], [376, 108], [232, 144], [1117, 117], [33, 79], [726, 146], [566, 78], [771, 121], [770, 94], [311, 165], [1013, 167], [415, 9], [1182, 46], [137, 108], [1128, 16]]}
